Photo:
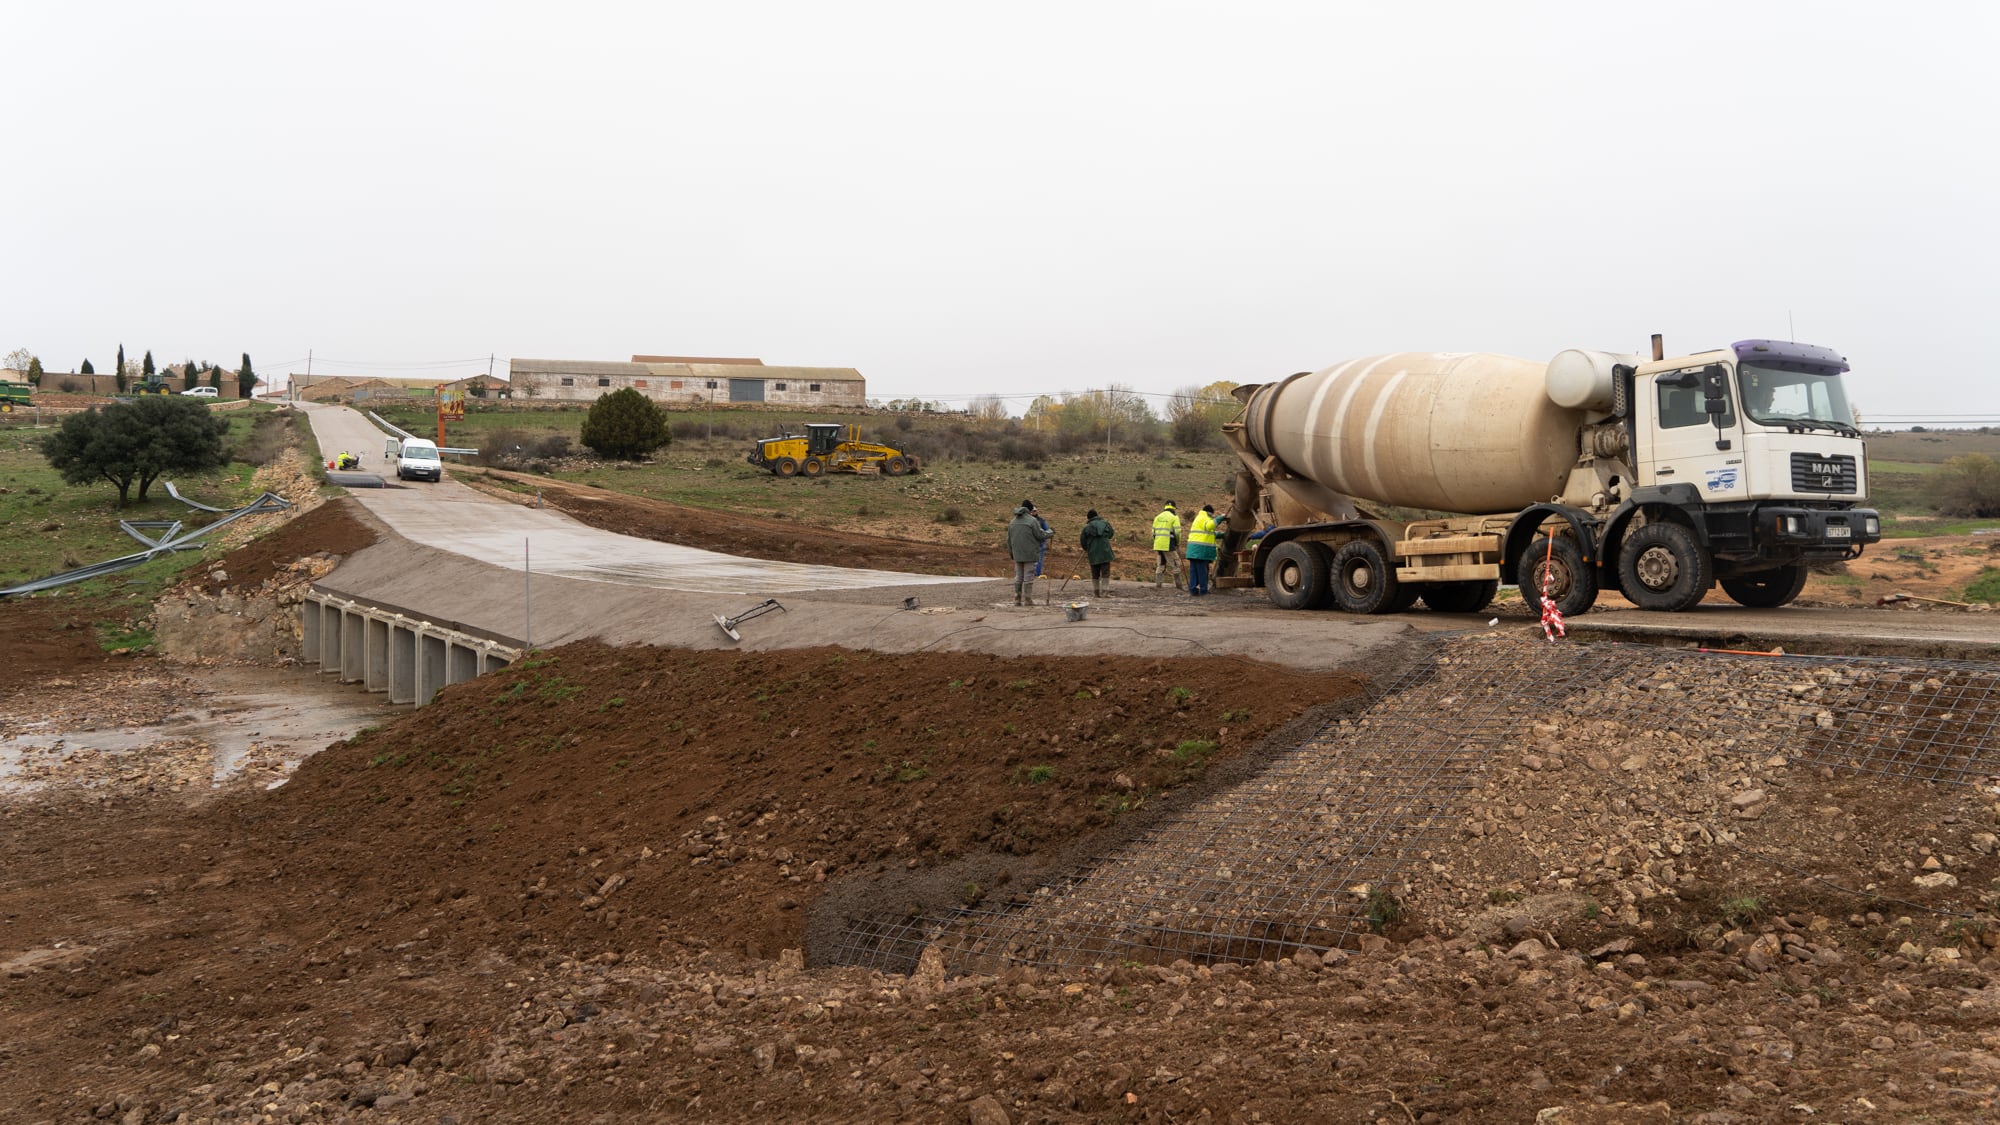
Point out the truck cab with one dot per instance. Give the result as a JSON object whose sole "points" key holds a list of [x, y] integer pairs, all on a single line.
{"points": [[1753, 449]]}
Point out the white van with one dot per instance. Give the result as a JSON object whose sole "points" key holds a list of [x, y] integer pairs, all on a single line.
{"points": [[419, 460]]}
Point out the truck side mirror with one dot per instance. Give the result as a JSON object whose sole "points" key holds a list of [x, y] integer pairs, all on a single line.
{"points": [[1715, 399]]}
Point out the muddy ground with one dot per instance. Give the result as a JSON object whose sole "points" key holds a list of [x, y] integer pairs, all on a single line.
{"points": [[596, 887]]}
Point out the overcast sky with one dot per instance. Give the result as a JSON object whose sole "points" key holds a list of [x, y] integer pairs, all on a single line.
{"points": [[1033, 197]]}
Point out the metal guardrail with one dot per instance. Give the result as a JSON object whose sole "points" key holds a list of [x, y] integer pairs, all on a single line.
{"points": [[165, 545], [176, 494], [406, 435], [137, 529]]}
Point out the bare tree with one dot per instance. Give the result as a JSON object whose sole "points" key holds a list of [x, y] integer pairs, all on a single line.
{"points": [[18, 360], [989, 410]]}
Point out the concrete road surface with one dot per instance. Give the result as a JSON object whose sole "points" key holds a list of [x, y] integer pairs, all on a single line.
{"points": [[454, 518]]}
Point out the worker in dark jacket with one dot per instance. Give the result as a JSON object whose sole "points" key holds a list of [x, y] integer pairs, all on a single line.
{"points": [[1025, 537], [1096, 542]]}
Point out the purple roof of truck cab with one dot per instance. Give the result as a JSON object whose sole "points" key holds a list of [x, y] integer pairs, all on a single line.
{"points": [[1784, 355]]}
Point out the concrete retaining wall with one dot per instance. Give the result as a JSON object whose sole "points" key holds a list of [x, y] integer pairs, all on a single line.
{"points": [[382, 650]]}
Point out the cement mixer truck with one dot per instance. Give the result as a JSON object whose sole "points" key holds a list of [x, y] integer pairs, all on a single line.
{"points": [[1656, 477]]}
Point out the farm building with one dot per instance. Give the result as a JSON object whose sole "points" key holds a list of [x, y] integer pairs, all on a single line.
{"points": [[361, 389], [690, 380]]}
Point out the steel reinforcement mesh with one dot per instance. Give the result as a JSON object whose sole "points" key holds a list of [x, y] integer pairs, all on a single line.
{"points": [[1295, 856]]}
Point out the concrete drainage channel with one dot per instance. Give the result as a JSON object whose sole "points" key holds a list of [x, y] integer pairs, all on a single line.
{"points": [[385, 650]]}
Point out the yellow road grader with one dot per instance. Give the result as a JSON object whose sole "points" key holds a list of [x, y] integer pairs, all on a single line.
{"points": [[829, 447]]}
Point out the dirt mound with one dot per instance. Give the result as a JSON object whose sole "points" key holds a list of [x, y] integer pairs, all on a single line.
{"points": [[724, 790], [595, 801], [750, 536], [337, 528]]}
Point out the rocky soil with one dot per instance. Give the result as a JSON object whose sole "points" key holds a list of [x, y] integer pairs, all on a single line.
{"points": [[590, 889]]}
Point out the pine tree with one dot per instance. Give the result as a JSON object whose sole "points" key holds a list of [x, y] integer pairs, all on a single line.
{"points": [[146, 368], [86, 369], [35, 371], [119, 374], [625, 425], [246, 378]]}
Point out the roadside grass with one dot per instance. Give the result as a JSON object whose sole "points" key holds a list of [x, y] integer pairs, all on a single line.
{"points": [[1985, 588], [56, 526], [113, 637]]}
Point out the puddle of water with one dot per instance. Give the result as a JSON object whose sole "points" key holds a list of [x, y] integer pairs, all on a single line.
{"points": [[266, 716]]}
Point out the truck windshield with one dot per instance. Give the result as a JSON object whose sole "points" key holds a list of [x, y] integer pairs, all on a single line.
{"points": [[1795, 399], [419, 453]]}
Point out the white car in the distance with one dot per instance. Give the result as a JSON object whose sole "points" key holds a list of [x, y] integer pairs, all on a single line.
{"points": [[418, 460], [203, 392]]}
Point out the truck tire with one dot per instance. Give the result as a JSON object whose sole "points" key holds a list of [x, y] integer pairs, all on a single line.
{"points": [[1574, 588], [1363, 581], [896, 466], [1662, 568], [1458, 597], [785, 467], [1768, 589], [812, 467], [1295, 575]]}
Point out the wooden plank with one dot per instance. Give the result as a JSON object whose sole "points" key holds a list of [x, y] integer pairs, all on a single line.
{"points": [[1448, 545], [1470, 572]]}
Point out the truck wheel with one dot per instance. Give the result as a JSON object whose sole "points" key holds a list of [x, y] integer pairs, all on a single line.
{"points": [[1572, 585], [1363, 581], [1459, 597], [1295, 575], [1663, 568], [1768, 589], [812, 467], [785, 467], [895, 466]]}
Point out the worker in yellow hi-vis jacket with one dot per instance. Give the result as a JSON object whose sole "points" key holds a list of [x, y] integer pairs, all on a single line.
{"points": [[1167, 544]]}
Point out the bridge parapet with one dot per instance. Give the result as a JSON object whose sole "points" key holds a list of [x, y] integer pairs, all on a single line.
{"points": [[384, 649]]}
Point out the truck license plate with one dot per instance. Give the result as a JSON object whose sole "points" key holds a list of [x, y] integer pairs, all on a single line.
{"points": [[1838, 532]]}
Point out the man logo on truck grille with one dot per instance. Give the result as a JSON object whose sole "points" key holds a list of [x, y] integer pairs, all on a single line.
{"points": [[1824, 468]]}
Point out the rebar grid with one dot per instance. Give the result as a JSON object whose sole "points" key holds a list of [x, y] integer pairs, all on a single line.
{"points": [[1302, 854]]}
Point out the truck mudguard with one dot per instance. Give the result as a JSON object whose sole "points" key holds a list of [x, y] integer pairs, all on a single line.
{"points": [[1685, 497], [1528, 524]]}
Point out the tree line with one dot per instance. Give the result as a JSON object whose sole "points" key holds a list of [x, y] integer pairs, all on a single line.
{"points": [[145, 373]]}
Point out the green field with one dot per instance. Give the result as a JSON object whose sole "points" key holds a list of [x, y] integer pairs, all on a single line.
{"points": [[1931, 448], [56, 526]]}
